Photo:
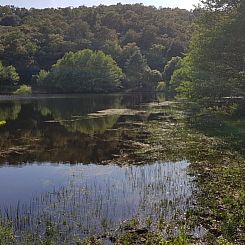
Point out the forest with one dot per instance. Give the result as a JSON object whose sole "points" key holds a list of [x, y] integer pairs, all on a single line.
{"points": [[193, 54], [141, 40]]}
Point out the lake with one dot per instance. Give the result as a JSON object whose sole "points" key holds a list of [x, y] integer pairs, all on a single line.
{"points": [[57, 165]]}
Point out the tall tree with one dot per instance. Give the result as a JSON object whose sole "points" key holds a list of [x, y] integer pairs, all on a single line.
{"points": [[217, 58], [135, 67], [83, 71], [8, 76]]}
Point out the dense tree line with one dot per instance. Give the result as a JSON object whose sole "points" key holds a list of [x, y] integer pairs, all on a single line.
{"points": [[33, 40], [214, 67]]}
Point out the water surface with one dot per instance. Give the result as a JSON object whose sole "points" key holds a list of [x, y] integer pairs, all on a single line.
{"points": [[51, 153], [89, 197], [60, 130]]}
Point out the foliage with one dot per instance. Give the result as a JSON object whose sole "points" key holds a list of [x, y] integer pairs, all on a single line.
{"points": [[184, 89], [42, 75], [135, 67], [170, 67], [8, 75], [83, 71], [33, 40], [23, 89], [129, 238], [6, 235], [139, 76], [156, 56], [10, 20], [215, 63], [220, 4], [151, 78]]}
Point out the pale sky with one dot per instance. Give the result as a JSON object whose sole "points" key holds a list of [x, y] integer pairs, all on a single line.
{"points": [[185, 4]]}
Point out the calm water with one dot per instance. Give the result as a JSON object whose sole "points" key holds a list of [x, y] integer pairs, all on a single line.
{"points": [[60, 130], [50, 150], [91, 197]]}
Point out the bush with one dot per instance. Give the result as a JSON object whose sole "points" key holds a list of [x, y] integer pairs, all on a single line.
{"points": [[8, 76], [23, 89]]}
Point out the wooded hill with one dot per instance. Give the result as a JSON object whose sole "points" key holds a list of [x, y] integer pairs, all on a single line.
{"points": [[34, 39]]}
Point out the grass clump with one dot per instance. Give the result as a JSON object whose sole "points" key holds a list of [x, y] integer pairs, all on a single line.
{"points": [[6, 235], [214, 144], [151, 238]]}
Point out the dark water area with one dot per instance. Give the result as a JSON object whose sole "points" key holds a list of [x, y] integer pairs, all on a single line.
{"points": [[58, 129], [52, 166]]}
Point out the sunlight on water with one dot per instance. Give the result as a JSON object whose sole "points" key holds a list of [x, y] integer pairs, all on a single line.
{"points": [[91, 198]]}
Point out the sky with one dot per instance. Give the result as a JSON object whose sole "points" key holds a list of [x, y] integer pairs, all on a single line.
{"points": [[185, 4]]}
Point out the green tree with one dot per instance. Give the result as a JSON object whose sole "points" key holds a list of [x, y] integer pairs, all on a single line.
{"points": [[216, 58], [10, 20], [151, 78], [8, 76], [127, 51], [181, 76], [83, 71], [34, 39], [139, 76], [170, 67], [135, 68], [156, 56], [19, 46], [113, 49], [130, 36], [220, 4]]}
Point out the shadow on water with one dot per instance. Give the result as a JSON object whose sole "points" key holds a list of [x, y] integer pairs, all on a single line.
{"points": [[60, 130]]}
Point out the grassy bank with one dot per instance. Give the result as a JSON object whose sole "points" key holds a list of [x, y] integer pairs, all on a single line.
{"points": [[213, 143]]}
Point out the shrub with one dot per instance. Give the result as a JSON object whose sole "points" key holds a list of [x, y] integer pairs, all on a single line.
{"points": [[23, 89]]}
